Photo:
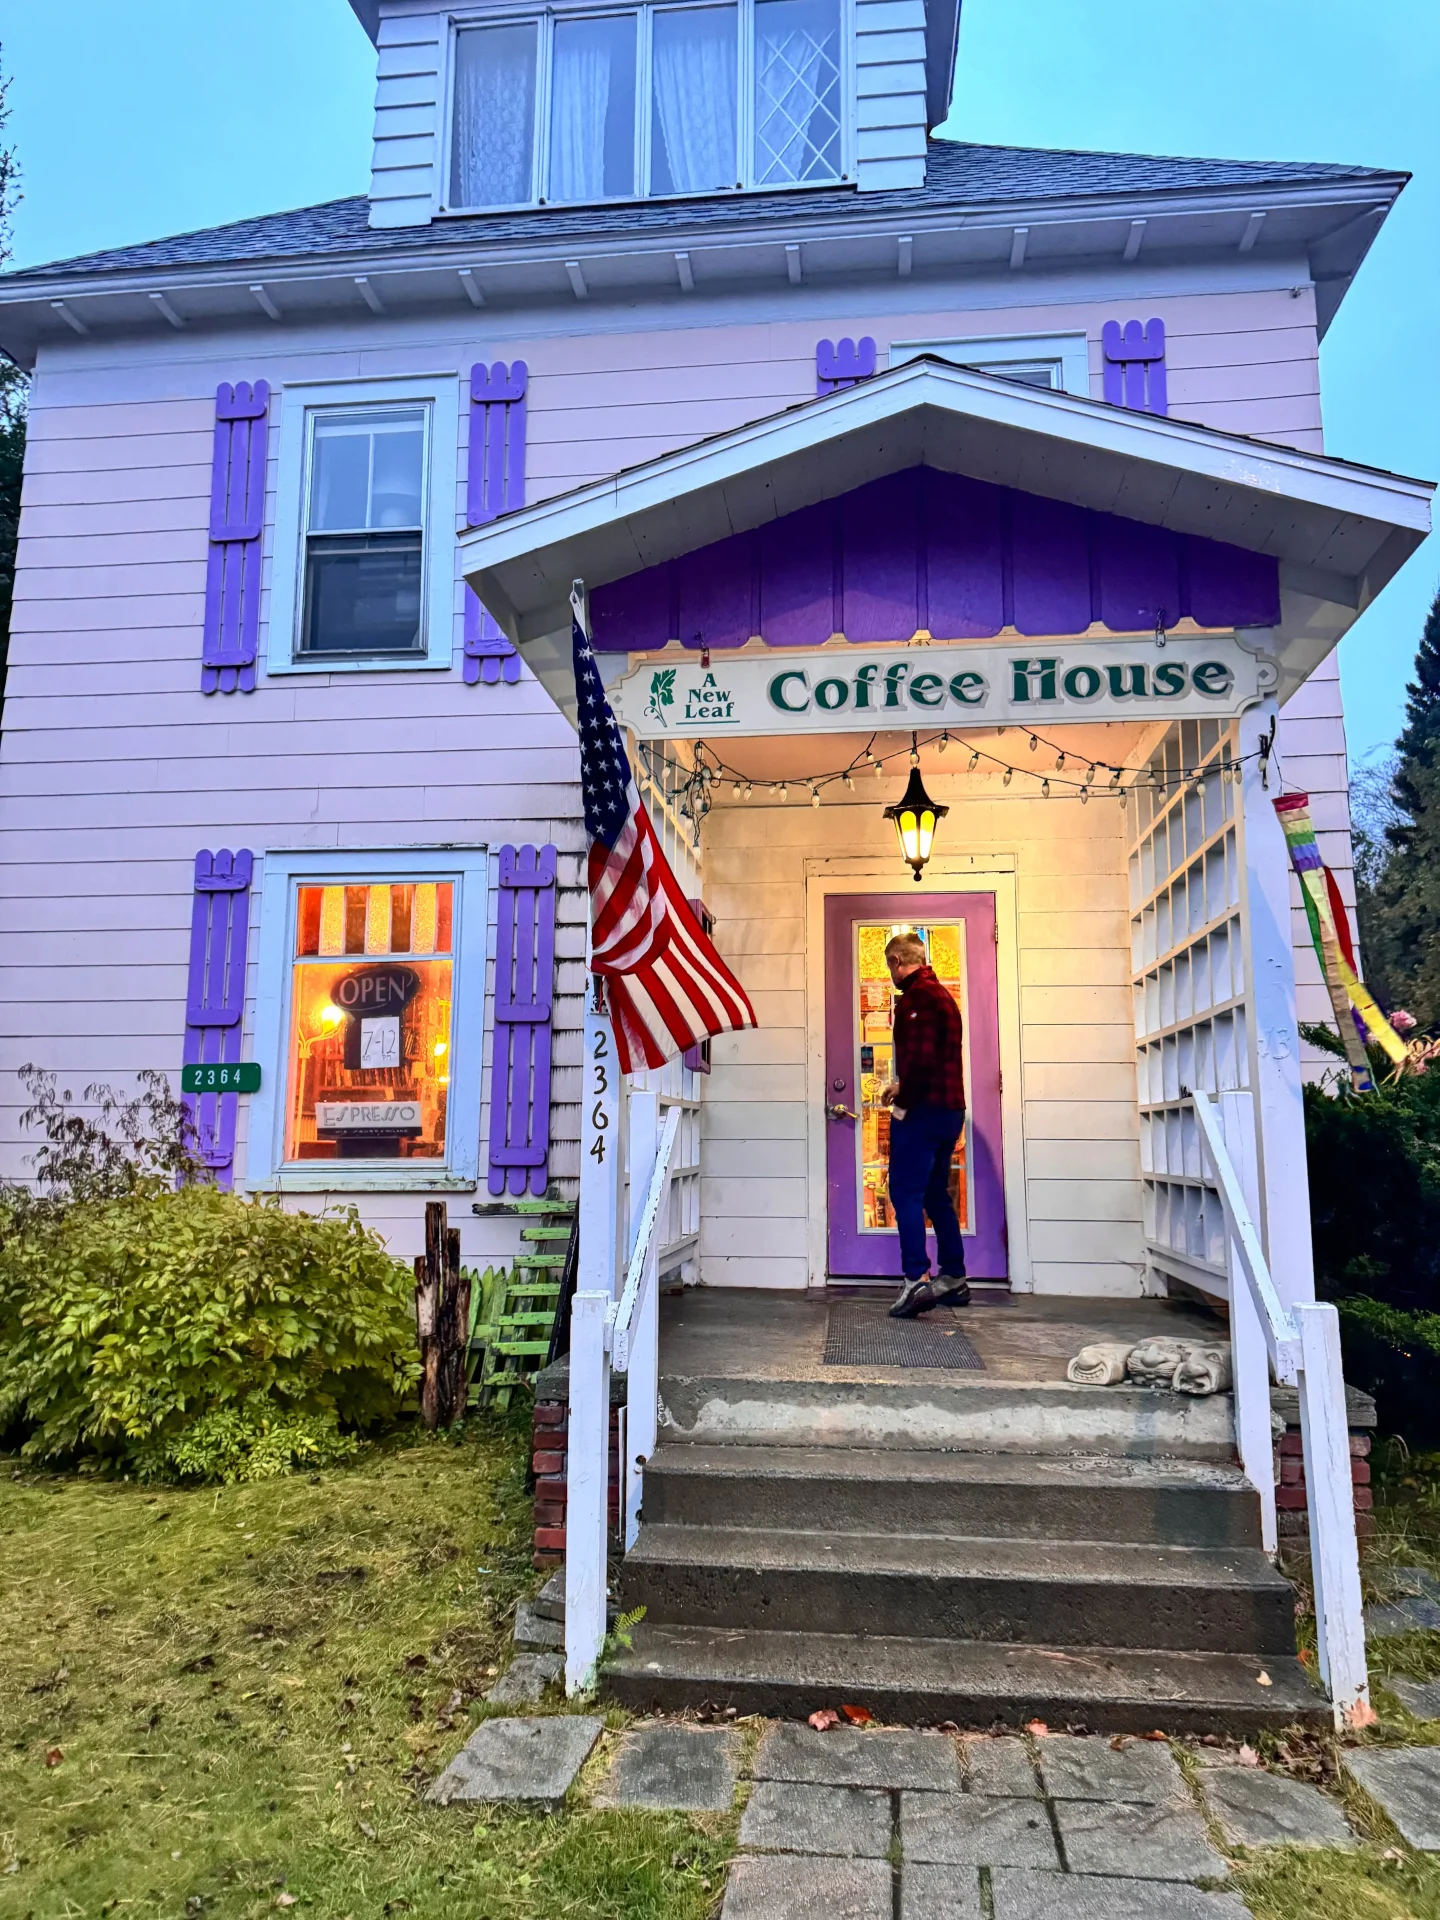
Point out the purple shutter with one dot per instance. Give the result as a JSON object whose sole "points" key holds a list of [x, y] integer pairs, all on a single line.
{"points": [[215, 996], [237, 520], [1134, 362], [495, 483], [843, 363], [520, 1047]]}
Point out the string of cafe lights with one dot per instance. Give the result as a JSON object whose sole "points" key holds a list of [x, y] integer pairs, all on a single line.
{"points": [[694, 797]]}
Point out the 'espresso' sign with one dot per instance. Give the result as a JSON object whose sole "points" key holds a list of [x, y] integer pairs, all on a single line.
{"points": [[847, 689]]}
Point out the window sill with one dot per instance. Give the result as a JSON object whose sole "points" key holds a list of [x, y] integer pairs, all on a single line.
{"points": [[839, 183], [414, 663], [333, 1176]]}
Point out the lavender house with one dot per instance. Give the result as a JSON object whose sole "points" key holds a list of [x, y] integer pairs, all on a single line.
{"points": [[860, 443]]}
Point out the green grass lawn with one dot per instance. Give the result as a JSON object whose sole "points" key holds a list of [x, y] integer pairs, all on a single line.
{"points": [[230, 1702], [211, 1701]]}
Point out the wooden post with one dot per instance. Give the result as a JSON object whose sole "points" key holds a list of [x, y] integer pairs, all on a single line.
{"points": [[1284, 1217], [453, 1330], [1334, 1553], [429, 1276], [587, 1459]]}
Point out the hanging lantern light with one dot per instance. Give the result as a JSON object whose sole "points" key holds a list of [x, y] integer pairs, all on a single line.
{"points": [[915, 815]]}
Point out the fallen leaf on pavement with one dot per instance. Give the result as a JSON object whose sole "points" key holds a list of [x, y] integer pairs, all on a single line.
{"points": [[1037, 1727], [1248, 1757], [824, 1720], [1262, 1679], [858, 1716]]}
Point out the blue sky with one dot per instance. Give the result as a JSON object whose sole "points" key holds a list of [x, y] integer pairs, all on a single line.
{"points": [[149, 117]]}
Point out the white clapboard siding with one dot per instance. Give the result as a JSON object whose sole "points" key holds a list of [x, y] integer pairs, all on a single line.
{"points": [[409, 119], [1077, 1088], [890, 88], [114, 769]]}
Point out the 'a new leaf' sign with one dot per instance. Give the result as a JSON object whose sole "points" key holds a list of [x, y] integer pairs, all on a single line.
{"points": [[852, 689]]}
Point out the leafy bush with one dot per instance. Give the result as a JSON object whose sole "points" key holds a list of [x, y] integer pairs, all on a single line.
{"points": [[184, 1329], [1374, 1162], [254, 1441], [124, 1321]]}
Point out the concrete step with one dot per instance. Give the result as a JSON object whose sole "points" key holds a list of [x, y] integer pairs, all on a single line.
{"points": [[1073, 1593], [884, 1490], [960, 1412], [923, 1682]]}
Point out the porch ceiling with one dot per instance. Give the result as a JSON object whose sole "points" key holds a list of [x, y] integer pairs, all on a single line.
{"points": [[1339, 531]]}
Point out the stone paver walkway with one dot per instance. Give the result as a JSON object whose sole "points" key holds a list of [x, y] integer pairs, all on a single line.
{"points": [[864, 1825]]}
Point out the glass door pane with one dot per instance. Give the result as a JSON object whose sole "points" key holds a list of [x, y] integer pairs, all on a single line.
{"points": [[874, 1020]]}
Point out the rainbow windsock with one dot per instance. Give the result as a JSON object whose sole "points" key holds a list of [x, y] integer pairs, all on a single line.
{"points": [[1356, 1013]]}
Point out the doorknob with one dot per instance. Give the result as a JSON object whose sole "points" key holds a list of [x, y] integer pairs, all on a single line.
{"points": [[837, 1112]]}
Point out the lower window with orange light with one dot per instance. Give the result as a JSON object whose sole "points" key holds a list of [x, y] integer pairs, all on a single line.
{"points": [[371, 1016]]}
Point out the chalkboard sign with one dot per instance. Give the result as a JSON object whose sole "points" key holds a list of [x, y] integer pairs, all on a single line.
{"points": [[239, 1076]]}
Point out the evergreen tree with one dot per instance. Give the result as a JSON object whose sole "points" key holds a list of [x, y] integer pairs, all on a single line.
{"points": [[1419, 744]]}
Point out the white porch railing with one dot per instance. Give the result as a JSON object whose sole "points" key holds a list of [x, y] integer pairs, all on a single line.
{"points": [[623, 1333], [1301, 1343]]}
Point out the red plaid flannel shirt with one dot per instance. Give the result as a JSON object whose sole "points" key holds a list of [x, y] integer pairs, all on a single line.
{"points": [[928, 1032]]}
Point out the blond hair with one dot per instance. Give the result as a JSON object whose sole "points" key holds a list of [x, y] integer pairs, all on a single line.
{"points": [[907, 948]]}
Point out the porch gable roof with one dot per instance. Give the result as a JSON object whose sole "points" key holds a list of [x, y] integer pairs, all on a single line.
{"points": [[1338, 531]]}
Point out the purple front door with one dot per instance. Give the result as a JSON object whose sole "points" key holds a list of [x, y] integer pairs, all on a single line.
{"points": [[959, 933]]}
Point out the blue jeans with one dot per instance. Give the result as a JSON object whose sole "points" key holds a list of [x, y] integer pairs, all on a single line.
{"points": [[921, 1147]]}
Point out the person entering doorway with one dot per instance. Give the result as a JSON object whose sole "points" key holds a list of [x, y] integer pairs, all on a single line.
{"points": [[927, 1112]]}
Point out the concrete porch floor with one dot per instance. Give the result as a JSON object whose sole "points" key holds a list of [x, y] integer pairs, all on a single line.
{"points": [[755, 1334]]}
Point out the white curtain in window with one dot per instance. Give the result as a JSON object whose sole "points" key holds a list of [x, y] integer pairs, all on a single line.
{"points": [[797, 74], [577, 126], [694, 55], [592, 108], [492, 161]]}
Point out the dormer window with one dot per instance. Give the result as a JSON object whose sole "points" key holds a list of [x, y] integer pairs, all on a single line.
{"points": [[671, 100]]}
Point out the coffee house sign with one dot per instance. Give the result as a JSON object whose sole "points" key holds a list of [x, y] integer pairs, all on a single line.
{"points": [[849, 689]]}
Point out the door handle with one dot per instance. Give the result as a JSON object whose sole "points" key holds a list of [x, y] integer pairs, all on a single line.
{"points": [[837, 1112]]}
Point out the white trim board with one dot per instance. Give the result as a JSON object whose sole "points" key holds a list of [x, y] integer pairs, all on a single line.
{"points": [[975, 873], [282, 875], [441, 394]]}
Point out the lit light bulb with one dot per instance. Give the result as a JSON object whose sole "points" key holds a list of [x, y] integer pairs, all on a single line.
{"points": [[330, 1015], [440, 1048], [749, 791], [814, 796], [784, 791]]}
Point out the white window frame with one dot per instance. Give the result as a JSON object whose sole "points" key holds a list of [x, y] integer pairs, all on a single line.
{"points": [[546, 18], [285, 872], [439, 394], [994, 352]]}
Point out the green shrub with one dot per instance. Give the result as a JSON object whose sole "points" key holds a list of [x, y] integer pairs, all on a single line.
{"points": [[127, 1319], [254, 1441]]}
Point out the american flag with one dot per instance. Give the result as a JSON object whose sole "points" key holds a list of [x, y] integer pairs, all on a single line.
{"points": [[667, 986]]}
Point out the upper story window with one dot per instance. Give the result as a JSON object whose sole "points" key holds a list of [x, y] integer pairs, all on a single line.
{"points": [[365, 532], [1058, 361], [651, 100]]}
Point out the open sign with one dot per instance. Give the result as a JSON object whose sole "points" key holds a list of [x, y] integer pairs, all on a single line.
{"points": [[374, 998]]}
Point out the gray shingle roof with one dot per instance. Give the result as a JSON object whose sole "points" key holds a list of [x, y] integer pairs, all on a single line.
{"points": [[958, 175]]}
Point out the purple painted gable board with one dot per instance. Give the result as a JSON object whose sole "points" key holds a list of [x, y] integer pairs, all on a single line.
{"points": [[878, 526], [237, 521], [972, 557], [964, 597], [798, 568], [215, 995], [520, 1041], [494, 484]]}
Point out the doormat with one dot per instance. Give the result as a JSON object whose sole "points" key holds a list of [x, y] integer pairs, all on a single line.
{"points": [[860, 1333]]}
